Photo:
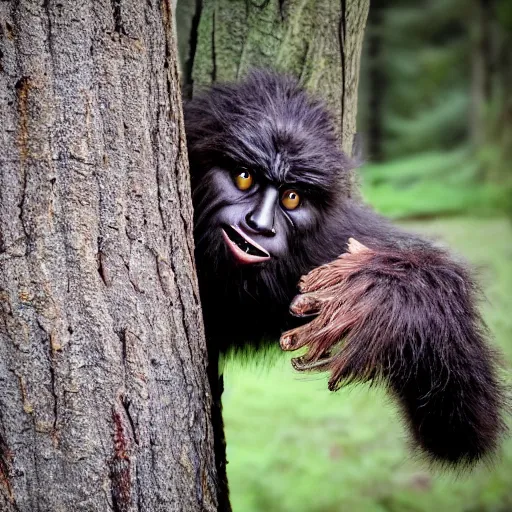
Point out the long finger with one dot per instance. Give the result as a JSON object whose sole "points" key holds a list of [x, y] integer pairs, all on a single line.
{"points": [[309, 304], [298, 337]]}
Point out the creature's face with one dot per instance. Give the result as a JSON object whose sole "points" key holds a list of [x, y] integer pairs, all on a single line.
{"points": [[266, 175], [258, 217]]}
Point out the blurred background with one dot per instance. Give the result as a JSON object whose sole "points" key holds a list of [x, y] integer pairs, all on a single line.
{"points": [[435, 114], [435, 111]]}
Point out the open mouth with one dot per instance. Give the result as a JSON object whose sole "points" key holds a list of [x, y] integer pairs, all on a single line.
{"points": [[242, 247]]}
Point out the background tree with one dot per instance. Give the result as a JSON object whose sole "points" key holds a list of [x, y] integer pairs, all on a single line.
{"points": [[318, 41], [104, 401], [443, 116]]}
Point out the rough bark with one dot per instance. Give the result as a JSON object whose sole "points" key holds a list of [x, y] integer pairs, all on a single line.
{"points": [[104, 399], [317, 40]]}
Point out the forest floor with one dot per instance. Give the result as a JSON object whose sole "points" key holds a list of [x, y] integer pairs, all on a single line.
{"points": [[293, 446]]}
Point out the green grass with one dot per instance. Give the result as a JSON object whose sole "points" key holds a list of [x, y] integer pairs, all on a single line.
{"points": [[435, 183], [293, 446]]}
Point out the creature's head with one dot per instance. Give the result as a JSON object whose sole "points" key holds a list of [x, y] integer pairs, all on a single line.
{"points": [[266, 173]]}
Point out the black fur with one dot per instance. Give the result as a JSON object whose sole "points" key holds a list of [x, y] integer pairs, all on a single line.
{"points": [[433, 351], [269, 124]]}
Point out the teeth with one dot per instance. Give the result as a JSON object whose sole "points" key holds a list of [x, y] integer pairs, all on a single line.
{"points": [[243, 244]]}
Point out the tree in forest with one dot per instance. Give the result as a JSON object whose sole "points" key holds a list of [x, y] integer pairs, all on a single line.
{"points": [[490, 27], [376, 82], [104, 400], [318, 41]]}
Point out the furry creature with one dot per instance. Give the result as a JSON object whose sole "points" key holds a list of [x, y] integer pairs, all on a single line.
{"points": [[271, 192]]}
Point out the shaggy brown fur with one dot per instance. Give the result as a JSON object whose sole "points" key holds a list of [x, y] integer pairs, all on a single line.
{"points": [[378, 321]]}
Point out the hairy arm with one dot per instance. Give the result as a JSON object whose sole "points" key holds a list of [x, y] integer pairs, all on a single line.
{"points": [[404, 314]]}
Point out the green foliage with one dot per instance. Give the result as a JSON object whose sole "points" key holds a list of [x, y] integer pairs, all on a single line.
{"points": [[431, 96], [293, 446], [424, 58], [504, 14], [441, 125], [496, 153]]}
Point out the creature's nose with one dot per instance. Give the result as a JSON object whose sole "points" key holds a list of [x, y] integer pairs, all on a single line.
{"points": [[261, 218]]}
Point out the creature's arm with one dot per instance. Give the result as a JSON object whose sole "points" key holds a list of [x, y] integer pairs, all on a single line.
{"points": [[407, 318]]}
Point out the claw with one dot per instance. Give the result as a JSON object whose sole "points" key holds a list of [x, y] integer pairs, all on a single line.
{"points": [[301, 365], [295, 338], [286, 341], [305, 305]]}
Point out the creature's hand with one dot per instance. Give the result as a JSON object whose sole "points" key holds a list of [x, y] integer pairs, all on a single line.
{"points": [[338, 299], [406, 318]]}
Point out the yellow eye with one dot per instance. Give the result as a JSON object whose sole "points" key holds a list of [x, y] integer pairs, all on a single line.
{"points": [[243, 180], [290, 199]]}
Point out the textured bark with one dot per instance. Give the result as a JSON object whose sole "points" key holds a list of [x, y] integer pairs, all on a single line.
{"points": [[317, 40], [104, 399]]}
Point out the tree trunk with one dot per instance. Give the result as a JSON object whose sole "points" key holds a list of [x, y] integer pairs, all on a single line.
{"points": [[104, 399], [376, 82], [317, 40], [481, 68]]}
